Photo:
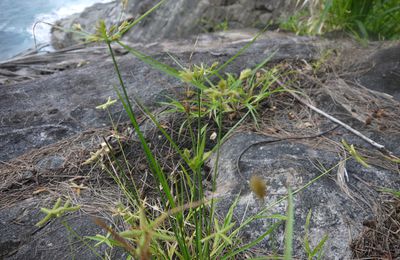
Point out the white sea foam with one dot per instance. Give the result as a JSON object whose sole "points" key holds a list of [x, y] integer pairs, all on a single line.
{"points": [[42, 21], [10, 28]]}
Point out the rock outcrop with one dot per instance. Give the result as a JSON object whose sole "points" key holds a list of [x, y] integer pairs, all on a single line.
{"points": [[339, 206], [174, 19], [41, 112], [383, 72], [21, 239]]}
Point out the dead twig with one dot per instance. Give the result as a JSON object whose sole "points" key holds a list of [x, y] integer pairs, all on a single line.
{"points": [[337, 121]]}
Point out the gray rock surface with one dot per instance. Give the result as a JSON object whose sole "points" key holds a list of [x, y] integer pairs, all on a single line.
{"points": [[21, 239], [175, 18], [287, 163], [383, 73], [41, 112]]}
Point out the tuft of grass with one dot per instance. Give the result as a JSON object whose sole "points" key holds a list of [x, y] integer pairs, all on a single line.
{"points": [[364, 19], [318, 249], [192, 232], [232, 97], [208, 25]]}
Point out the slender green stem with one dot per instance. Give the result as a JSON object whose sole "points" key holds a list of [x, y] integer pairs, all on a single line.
{"points": [[153, 163], [73, 232], [156, 169]]}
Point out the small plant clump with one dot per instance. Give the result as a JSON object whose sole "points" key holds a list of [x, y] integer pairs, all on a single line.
{"points": [[213, 26], [230, 98]]}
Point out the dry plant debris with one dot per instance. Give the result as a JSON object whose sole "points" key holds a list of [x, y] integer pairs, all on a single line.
{"points": [[380, 238]]}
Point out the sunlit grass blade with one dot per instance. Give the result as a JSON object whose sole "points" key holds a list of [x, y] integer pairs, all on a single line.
{"points": [[289, 227], [142, 17], [243, 49], [253, 243], [151, 61], [153, 164]]}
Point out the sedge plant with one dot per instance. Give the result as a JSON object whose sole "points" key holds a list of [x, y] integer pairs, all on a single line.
{"points": [[187, 226], [200, 238], [205, 236]]}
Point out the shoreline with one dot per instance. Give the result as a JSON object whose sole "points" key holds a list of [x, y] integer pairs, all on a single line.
{"points": [[34, 31]]}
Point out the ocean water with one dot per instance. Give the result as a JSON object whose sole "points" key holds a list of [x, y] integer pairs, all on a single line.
{"points": [[17, 18]]}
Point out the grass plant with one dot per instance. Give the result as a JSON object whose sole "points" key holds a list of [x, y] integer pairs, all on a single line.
{"points": [[317, 251], [188, 228]]}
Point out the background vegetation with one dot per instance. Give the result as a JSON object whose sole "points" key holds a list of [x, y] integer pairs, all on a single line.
{"points": [[366, 19]]}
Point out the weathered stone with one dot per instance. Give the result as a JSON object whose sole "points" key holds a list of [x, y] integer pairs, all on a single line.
{"points": [[21, 239], [50, 163], [383, 73], [175, 18], [283, 164], [41, 112]]}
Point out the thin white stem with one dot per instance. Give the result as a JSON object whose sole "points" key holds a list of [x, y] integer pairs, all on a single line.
{"points": [[319, 111]]}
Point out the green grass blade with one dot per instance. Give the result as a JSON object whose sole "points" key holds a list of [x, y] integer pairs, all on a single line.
{"points": [[320, 246], [243, 49], [395, 193], [153, 164], [252, 243], [151, 61], [158, 65], [307, 247], [142, 17], [289, 227]]}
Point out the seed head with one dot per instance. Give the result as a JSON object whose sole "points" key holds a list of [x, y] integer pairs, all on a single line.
{"points": [[258, 186]]}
